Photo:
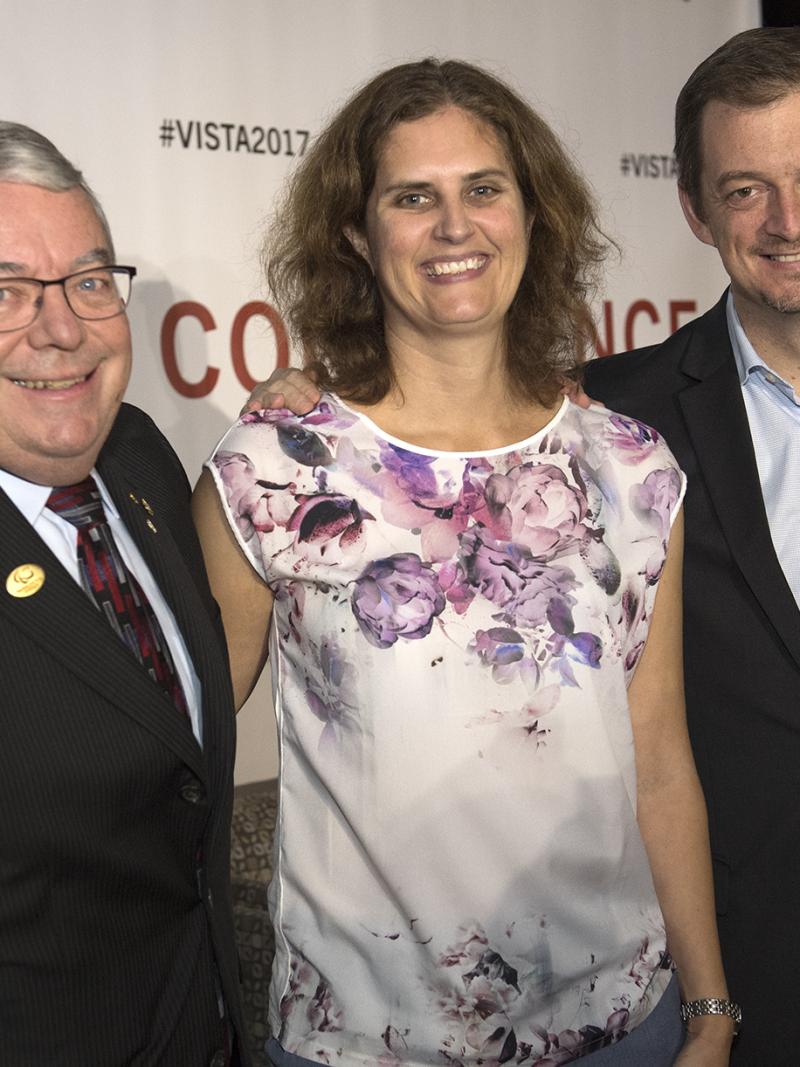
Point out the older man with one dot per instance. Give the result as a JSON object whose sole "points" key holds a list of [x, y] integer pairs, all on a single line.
{"points": [[116, 730], [724, 392]]}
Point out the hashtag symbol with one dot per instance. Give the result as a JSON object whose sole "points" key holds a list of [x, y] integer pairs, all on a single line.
{"points": [[625, 163], [167, 132]]}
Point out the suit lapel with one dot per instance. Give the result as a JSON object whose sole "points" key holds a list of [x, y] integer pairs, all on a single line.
{"points": [[168, 567], [61, 618], [716, 420]]}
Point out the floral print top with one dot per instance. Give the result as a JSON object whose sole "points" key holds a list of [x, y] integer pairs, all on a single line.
{"points": [[459, 875]]}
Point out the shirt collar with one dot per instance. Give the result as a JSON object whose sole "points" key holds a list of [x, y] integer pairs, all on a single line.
{"points": [[747, 359], [31, 499], [748, 362]]}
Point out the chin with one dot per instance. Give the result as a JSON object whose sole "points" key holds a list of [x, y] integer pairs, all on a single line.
{"points": [[786, 304]]}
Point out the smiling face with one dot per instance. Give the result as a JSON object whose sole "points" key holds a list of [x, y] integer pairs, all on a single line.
{"points": [[750, 191], [61, 378], [446, 229]]}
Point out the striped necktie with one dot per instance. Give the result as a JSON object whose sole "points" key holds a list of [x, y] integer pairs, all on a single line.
{"points": [[113, 588]]}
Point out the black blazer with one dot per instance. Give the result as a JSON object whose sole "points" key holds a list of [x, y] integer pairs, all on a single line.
{"points": [[114, 822], [742, 663]]}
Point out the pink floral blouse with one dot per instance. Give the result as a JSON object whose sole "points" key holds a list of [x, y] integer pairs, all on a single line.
{"points": [[459, 875]]}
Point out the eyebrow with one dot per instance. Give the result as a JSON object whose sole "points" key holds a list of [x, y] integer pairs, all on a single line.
{"points": [[739, 176], [101, 255], [474, 176]]}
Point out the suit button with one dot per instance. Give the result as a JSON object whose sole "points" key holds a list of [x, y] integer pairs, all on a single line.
{"points": [[192, 791], [219, 1059]]}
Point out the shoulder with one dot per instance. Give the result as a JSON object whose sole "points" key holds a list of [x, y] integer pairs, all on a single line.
{"points": [[643, 381], [600, 432], [136, 442], [285, 440]]}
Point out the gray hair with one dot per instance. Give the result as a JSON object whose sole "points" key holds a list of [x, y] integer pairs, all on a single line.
{"points": [[28, 158]]}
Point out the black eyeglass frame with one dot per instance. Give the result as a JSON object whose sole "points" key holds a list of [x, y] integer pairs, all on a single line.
{"points": [[114, 268]]}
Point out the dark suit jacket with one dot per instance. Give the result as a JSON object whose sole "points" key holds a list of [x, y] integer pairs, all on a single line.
{"points": [[114, 822], [742, 659]]}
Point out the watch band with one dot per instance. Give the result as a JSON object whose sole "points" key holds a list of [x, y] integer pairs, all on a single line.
{"points": [[712, 1006]]}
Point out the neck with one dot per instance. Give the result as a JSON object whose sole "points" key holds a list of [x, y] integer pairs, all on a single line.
{"points": [[775, 336], [456, 397]]}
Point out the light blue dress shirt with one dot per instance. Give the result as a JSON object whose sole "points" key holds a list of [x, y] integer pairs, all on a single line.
{"points": [[61, 537], [773, 411]]}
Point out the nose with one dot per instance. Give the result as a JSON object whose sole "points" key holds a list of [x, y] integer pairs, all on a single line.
{"points": [[56, 325], [783, 219], [454, 223]]}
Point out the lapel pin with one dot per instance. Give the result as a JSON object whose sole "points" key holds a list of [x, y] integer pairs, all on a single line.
{"points": [[25, 580], [142, 503]]}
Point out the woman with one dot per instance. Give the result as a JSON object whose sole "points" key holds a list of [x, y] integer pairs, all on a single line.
{"points": [[492, 837]]}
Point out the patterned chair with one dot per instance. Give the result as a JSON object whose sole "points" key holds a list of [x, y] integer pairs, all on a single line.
{"points": [[254, 813]]}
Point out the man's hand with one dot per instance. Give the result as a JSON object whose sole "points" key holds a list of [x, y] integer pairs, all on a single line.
{"points": [[574, 390], [286, 387]]}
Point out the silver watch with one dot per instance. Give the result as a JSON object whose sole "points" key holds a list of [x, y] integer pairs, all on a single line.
{"points": [[712, 1006]]}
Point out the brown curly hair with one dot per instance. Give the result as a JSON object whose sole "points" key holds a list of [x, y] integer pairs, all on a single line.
{"points": [[326, 290]]}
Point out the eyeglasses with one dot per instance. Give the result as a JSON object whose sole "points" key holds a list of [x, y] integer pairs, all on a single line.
{"points": [[96, 293]]}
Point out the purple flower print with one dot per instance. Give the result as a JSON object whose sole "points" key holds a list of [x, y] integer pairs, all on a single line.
{"points": [[259, 506], [327, 520], [529, 593], [536, 506], [631, 440], [329, 688], [478, 1012], [655, 499], [413, 500], [498, 647], [397, 597]]}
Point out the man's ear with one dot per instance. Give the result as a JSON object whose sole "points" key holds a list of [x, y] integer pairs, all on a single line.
{"points": [[696, 224], [359, 242]]}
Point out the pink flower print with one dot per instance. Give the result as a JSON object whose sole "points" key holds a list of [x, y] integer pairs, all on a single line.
{"points": [[536, 506], [397, 597], [258, 506], [631, 440], [329, 522], [655, 499], [438, 513], [329, 689]]}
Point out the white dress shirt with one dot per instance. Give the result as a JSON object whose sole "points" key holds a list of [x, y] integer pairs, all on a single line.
{"points": [[773, 412]]}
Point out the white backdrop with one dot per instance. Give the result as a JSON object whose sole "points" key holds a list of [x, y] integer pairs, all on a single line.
{"points": [[186, 116]]}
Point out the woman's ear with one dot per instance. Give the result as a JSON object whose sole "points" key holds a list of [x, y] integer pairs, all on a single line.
{"points": [[359, 242]]}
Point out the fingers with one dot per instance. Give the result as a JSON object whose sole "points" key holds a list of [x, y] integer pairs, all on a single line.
{"points": [[286, 387], [261, 398], [574, 390]]}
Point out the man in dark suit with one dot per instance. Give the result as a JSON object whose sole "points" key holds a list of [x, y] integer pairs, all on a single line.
{"points": [[724, 393], [116, 727]]}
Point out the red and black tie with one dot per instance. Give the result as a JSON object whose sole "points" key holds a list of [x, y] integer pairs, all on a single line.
{"points": [[113, 588]]}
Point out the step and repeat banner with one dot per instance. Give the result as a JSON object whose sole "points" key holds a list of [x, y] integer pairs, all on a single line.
{"points": [[187, 116]]}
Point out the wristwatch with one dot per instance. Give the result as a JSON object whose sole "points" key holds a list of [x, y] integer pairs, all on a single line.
{"points": [[712, 1006]]}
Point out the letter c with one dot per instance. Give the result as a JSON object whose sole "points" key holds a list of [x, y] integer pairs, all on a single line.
{"points": [[186, 309]]}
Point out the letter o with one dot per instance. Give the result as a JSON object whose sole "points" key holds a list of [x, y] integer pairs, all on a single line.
{"points": [[243, 316]]}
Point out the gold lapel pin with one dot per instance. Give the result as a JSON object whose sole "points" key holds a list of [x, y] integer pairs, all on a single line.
{"points": [[25, 580], [144, 504]]}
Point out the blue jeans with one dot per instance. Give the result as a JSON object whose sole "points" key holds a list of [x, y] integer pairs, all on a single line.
{"points": [[655, 1043]]}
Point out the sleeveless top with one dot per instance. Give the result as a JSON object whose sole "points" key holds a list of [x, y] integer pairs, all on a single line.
{"points": [[459, 874]]}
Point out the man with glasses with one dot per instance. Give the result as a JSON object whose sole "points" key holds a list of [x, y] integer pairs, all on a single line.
{"points": [[116, 719]]}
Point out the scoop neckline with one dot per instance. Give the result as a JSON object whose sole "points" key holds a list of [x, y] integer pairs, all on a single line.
{"points": [[406, 446]]}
